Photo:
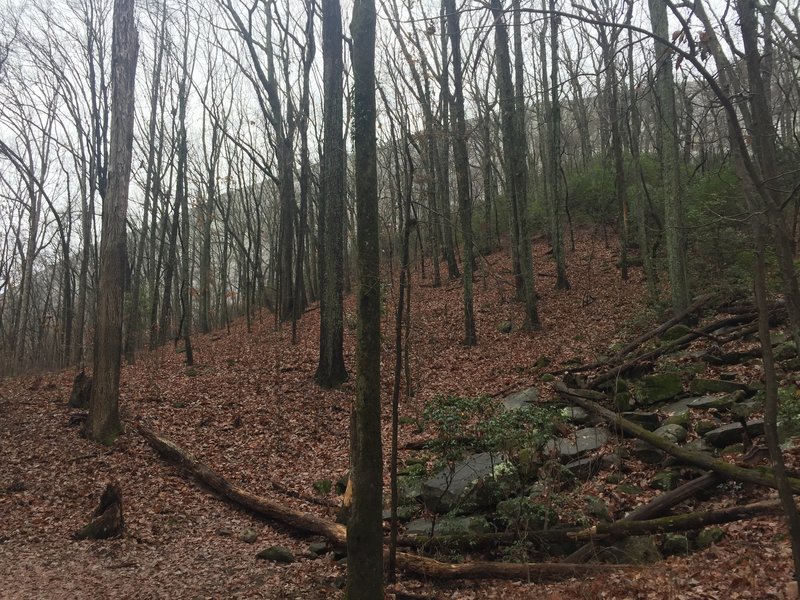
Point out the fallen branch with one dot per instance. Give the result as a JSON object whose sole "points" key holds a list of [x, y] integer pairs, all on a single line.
{"points": [[683, 522], [670, 347], [699, 459], [337, 534], [657, 506], [660, 329]]}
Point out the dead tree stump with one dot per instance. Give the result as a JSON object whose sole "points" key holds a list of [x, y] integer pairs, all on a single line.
{"points": [[107, 520], [81, 390]]}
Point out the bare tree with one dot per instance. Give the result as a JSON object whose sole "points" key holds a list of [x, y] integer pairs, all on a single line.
{"points": [[103, 424]]}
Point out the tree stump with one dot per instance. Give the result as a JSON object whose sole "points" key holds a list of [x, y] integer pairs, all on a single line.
{"points": [[81, 390], [107, 520]]}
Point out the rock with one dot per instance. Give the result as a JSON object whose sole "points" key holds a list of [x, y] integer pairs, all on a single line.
{"points": [[574, 414], [583, 468], [700, 445], [470, 524], [647, 453], [622, 402], [702, 387], [278, 554], [224, 532], [744, 410], [675, 543], [709, 536], [785, 351], [409, 489], [648, 420], [681, 419], [703, 427], [586, 440], [450, 487], [679, 407], [637, 550], [597, 508], [614, 478], [521, 399], [248, 536], [547, 378], [318, 548], [611, 461], [732, 450], [665, 480], [672, 432], [658, 388], [505, 326], [709, 402], [419, 527], [732, 433], [404, 513]]}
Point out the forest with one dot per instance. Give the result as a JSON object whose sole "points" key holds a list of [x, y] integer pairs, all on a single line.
{"points": [[402, 299]]}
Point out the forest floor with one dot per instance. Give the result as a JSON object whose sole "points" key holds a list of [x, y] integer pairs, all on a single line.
{"points": [[249, 408]]}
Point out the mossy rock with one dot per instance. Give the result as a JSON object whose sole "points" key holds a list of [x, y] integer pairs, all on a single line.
{"points": [[547, 378], [785, 351], [278, 554], [708, 537], [703, 427], [675, 543], [665, 480], [597, 508], [658, 388], [631, 490], [701, 387], [622, 402], [637, 550], [505, 327], [681, 419]]}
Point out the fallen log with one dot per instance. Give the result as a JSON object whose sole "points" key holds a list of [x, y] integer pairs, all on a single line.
{"points": [[682, 522], [702, 300], [480, 541], [337, 534], [691, 457], [681, 342], [657, 506]]}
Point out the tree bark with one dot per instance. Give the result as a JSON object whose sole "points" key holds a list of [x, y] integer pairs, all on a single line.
{"points": [[331, 370], [103, 424], [364, 529]]}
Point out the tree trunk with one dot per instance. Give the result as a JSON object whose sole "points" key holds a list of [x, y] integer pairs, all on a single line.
{"points": [[103, 424], [460, 154], [364, 530], [671, 186], [516, 169], [331, 370]]}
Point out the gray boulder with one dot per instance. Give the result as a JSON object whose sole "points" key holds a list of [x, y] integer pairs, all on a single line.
{"points": [[648, 420], [658, 388], [586, 440], [672, 432], [521, 399], [732, 434], [279, 554], [451, 487]]}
